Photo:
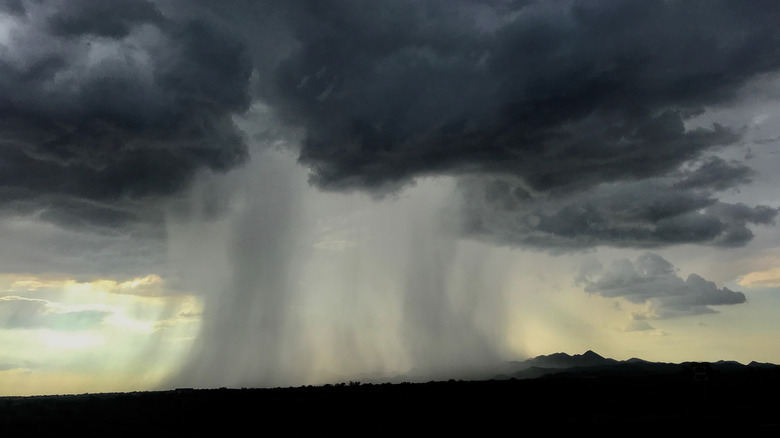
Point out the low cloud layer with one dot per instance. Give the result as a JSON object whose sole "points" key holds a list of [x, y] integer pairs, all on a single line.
{"points": [[652, 280], [678, 209], [26, 313]]}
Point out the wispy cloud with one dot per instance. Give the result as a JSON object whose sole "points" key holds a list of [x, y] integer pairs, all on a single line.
{"points": [[149, 286], [766, 278]]}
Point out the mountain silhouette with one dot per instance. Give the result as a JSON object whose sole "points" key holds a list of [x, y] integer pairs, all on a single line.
{"points": [[591, 364], [587, 364], [563, 360]]}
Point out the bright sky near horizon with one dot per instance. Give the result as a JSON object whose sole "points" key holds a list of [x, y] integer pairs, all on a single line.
{"points": [[260, 193]]}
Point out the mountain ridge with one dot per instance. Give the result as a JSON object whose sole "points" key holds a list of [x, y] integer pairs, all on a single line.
{"points": [[591, 364], [586, 365]]}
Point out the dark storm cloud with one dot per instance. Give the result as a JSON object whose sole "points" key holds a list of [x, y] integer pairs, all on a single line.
{"points": [[109, 102], [652, 279], [15, 7], [114, 19], [568, 102], [717, 174], [582, 105], [556, 93]]}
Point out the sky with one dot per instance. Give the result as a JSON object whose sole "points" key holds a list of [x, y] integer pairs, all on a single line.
{"points": [[260, 193]]}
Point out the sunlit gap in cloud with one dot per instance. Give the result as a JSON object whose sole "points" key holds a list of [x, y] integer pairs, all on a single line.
{"points": [[62, 335], [302, 286]]}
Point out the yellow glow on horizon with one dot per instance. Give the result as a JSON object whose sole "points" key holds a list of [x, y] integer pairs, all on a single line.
{"points": [[138, 328], [25, 382]]}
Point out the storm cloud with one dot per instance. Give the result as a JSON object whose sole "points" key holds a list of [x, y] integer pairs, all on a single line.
{"points": [[582, 108], [110, 103], [105, 107], [559, 94]]}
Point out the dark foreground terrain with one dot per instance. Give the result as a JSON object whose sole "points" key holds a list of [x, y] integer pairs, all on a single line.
{"points": [[703, 399]]}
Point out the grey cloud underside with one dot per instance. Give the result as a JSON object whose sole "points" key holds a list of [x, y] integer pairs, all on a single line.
{"points": [[654, 212], [114, 19], [652, 279], [580, 107], [105, 104], [557, 95], [15, 7]]}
